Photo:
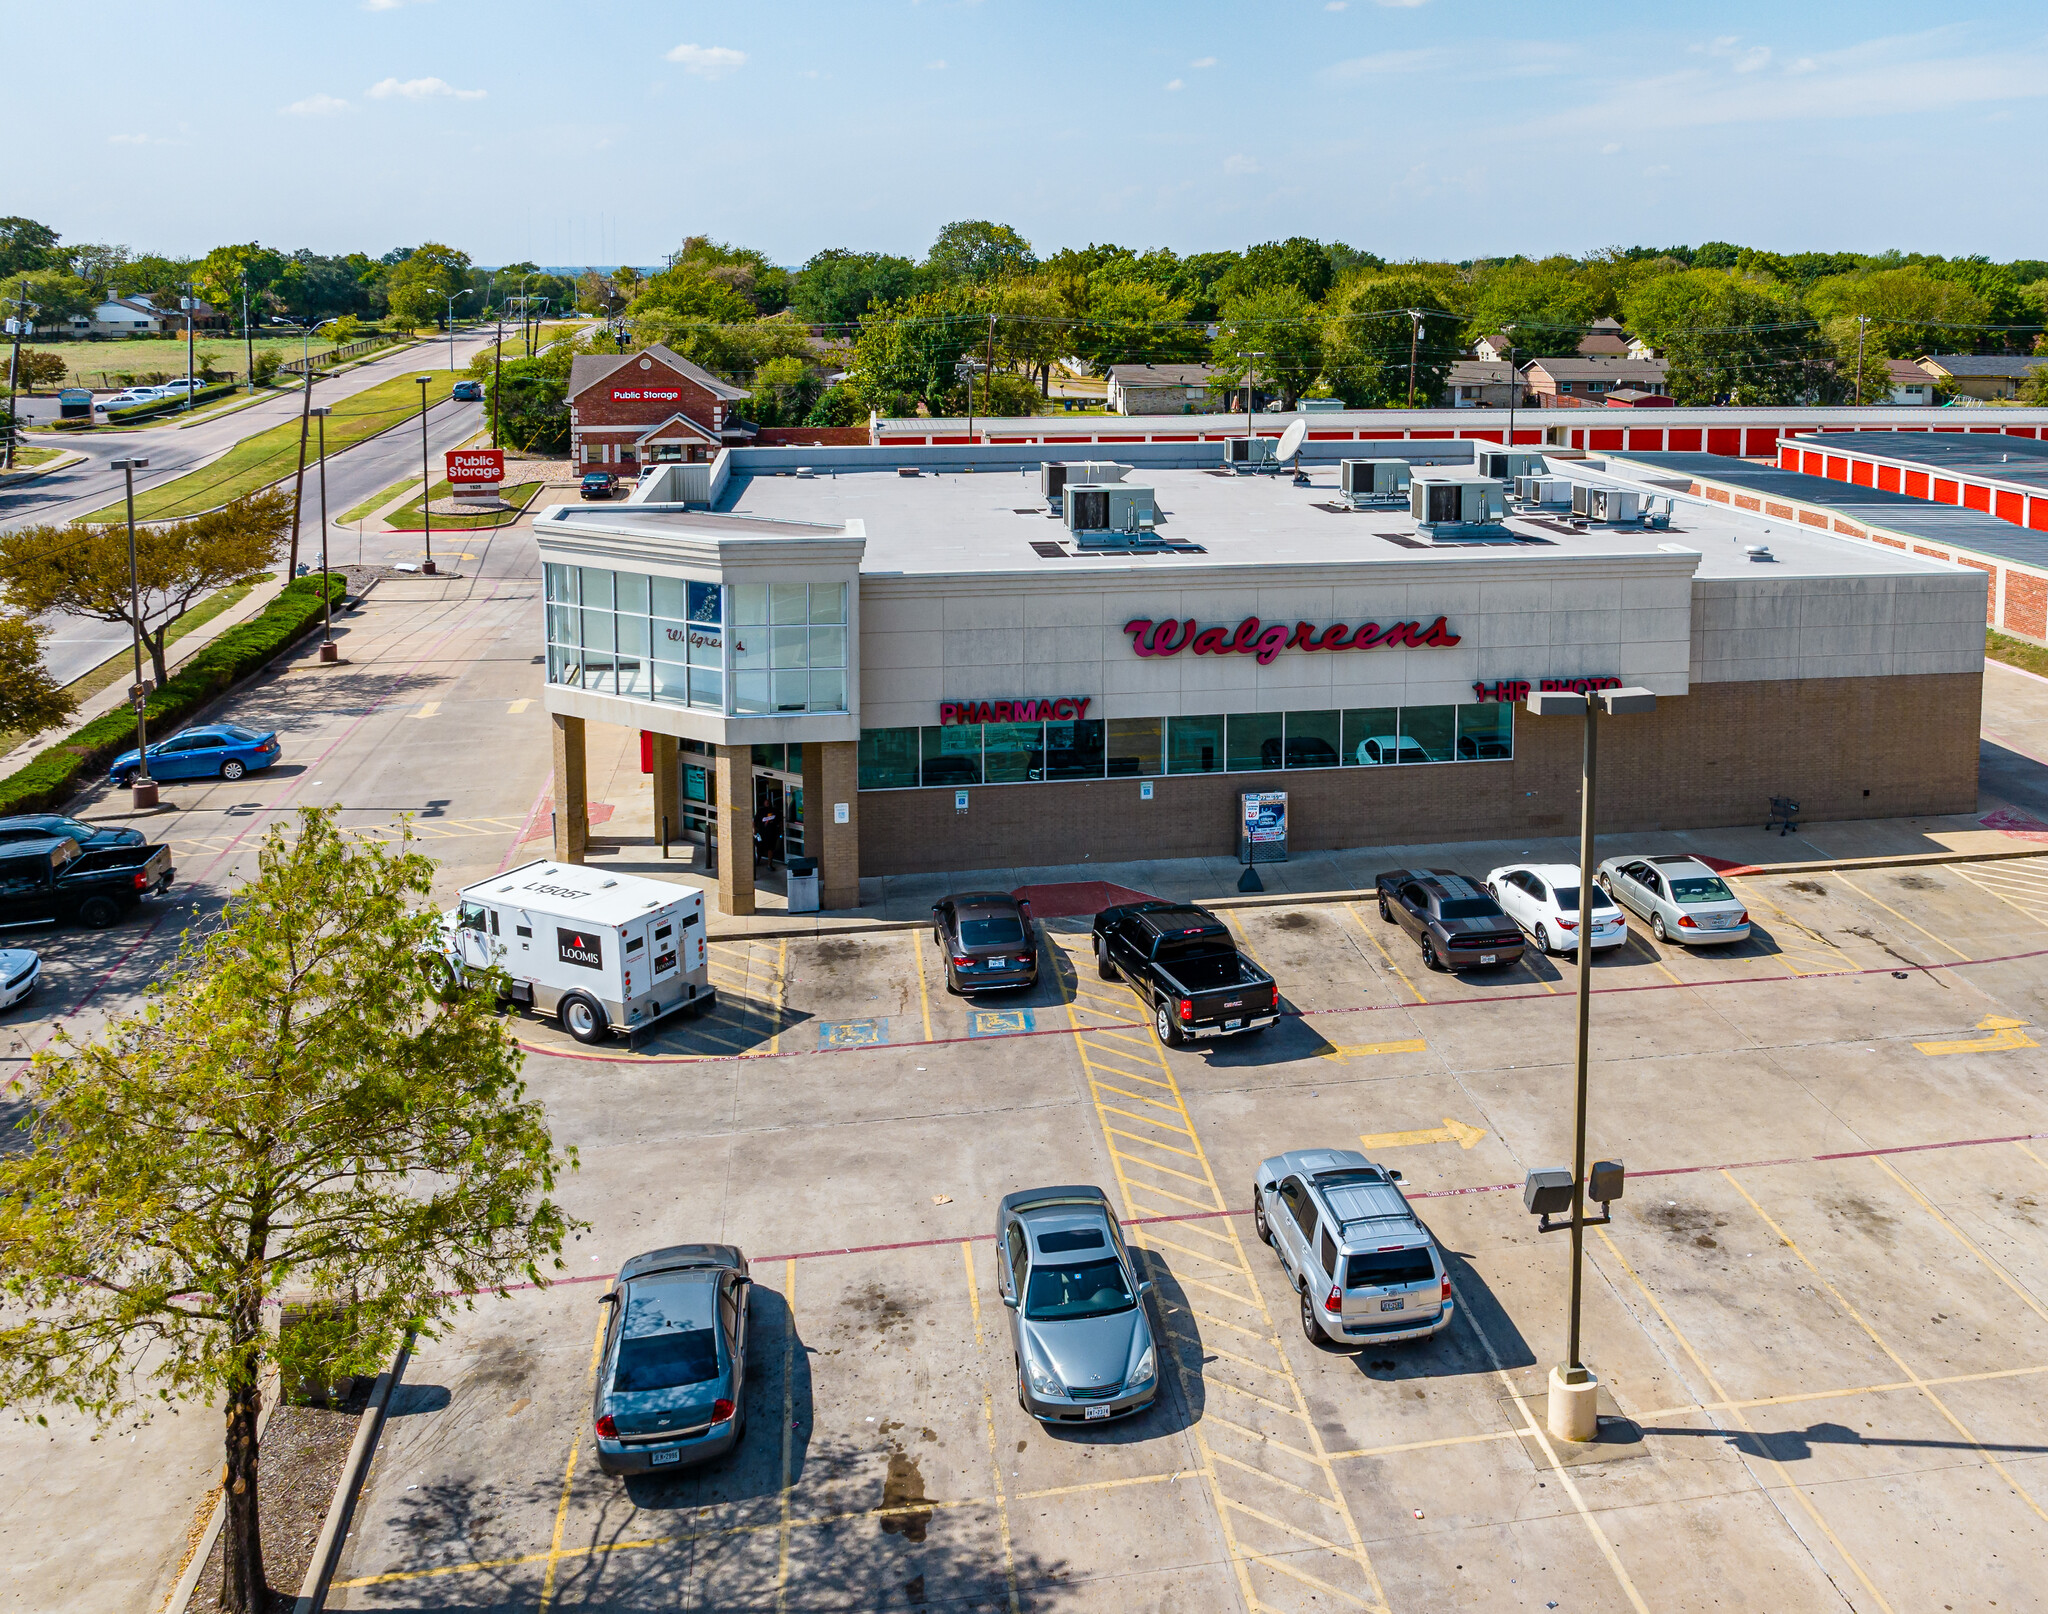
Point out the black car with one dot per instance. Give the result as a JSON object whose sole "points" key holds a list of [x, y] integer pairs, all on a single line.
{"points": [[54, 826], [1452, 918], [597, 485], [987, 940], [1302, 751]]}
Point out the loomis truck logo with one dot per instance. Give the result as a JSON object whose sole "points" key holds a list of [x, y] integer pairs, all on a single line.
{"points": [[580, 947]]}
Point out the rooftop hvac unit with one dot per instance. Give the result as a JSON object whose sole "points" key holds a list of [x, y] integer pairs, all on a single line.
{"points": [[1506, 464], [1455, 506], [1055, 475], [1606, 505], [1373, 481], [1247, 453], [1106, 512], [1554, 491]]}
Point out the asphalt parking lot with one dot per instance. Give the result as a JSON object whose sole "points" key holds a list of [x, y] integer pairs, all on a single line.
{"points": [[1820, 1313]]}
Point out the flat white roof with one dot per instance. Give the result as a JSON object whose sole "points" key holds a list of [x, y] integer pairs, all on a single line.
{"points": [[574, 891]]}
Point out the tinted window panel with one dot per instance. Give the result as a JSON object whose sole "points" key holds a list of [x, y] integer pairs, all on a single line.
{"points": [[1001, 932], [667, 1361], [1194, 744], [1078, 1238], [1381, 1269]]}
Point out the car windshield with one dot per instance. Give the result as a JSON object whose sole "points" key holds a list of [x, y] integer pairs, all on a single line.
{"points": [[1568, 899], [1468, 908], [1693, 892], [667, 1361], [1087, 1289], [235, 731], [1001, 931]]}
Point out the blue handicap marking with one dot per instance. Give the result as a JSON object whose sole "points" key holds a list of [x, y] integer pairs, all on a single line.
{"points": [[852, 1033], [1000, 1022]]}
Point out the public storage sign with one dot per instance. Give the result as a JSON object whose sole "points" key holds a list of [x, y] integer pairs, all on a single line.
{"points": [[476, 465], [647, 395]]}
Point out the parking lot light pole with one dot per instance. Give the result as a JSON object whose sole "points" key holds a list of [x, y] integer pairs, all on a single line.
{"points": [[327, 648], [452, 301], [1573, 1413], [142, 786], [426, 481]]}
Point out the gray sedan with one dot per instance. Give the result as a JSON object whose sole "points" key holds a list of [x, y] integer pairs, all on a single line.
{"points": [[1683, 899], [672, 1381], [1078, 1328]]}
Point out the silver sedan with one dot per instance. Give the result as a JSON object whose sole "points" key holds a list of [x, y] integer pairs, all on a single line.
{"points": [[1683, 899], [1078, 1328]]}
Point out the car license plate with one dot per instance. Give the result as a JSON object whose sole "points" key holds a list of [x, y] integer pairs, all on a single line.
{"points": [[1091, 1413], [1232, 1025], [1488, 958], [1396, 1304], [657, 1458]]}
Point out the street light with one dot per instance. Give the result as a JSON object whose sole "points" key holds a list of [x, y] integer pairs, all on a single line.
{"points": [[143, 787], [1508, 330], [452, 301], [426, 480], [327, 649], [1573, 1411]]}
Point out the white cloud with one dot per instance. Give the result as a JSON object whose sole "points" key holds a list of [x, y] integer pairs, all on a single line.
{"points": [[1385, 61], [1753, 58], [316, 106], [1403, 5], [1337, 5], [1610, 148], [708, 61], [420, 89], [389, 5], [938, 66], [1175, 84], [130, 140], [1240, 164], [1203, 61], [1656, 171]]}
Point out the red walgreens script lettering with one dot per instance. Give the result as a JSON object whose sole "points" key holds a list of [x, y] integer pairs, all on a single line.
{"points": [[1266, 640], [1069, 710]]}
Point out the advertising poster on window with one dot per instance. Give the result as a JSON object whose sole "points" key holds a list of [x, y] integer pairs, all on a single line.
{"points": [[1262, 826]]}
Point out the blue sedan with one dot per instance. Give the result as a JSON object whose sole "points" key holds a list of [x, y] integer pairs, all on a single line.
{"points": [[212, 751], [672, 1382]]}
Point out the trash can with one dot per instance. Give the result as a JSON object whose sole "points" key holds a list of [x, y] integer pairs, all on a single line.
{"points": [[803, 885]]}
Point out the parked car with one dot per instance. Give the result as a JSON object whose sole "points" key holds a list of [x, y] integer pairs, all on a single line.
{"points": [[21, 968], [1453, 920], [212, 751], [1680, 896], [597, 485], [47, 882], [90, 837], [1543, 900], [1365, 1268], [468, 392], [1380, 749], [1301, 751], [1183, 965], [128, 398], [672, 1379], [986, 940], [1079, 1333]]}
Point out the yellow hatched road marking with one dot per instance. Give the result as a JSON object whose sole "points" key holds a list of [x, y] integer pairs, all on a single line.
{"points": [[1153, 1165], [1257, 1434], [1111, 1109], [1152, 1143], [1837, 874], [1217, 1350], [1386, 957]]}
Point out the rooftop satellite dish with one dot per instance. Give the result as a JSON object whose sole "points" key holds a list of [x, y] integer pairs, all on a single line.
{"points": [[1291, 441]]}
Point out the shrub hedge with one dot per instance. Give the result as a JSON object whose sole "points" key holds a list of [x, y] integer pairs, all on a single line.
{"points": [[56, 774]]}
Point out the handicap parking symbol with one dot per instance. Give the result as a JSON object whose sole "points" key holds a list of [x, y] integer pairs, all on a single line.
{"points": [[1000, 1022], [852, 1033]]}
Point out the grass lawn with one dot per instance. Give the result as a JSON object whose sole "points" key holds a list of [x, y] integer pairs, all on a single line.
{"points": [[377, 501], [413, 517], [126, 361], [116, 668], [258, 461], [28, 458], [2018, 653]]}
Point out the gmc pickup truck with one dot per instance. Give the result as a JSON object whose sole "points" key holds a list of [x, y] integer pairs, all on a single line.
{"points": [[1182, 962], [47, 882]]}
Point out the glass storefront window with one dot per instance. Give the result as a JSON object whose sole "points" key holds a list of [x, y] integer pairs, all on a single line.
{"points": [[704, 602], [561, 582], [792, 691], [750, 692], [597, 587], [1486, 733], [1074, 750], [828, 604], [828, 689], [1254, 741], [888, 759], [671, 682], [789, 647], [631, 591], [788, 602], [1012, 752], [750, 605], [828, 647], [1135, 746], [670, 597], [1372, 736], [634, 675], [707, 688], [770, 756], [1314, 739], [1194, 744], [1433, 729], [952, 755]]}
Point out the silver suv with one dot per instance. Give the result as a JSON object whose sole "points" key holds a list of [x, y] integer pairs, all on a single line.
{"points": [[1365, 1267], [1078, 1328]]}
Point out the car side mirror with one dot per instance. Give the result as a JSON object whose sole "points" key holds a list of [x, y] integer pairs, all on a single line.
{"points": [[1395, 1176], [1144, 1288], [1010, 1301], [609, 1298]]}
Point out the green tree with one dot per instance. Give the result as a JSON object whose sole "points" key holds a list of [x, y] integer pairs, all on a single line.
{"points": [[1370, 334], [1131, 321], [2035, 388], [837, 287], [431, 273], [1281, 324], [292, 1108], [1550, 304], [219, 276], [1733, 338], [1297, 262], [150, 274], [415, 305], [30, 699], [838, 406], [977, 250], [83, 571], [689, 293], [25, 244], [907, 353], [785, 390], [1910, 312], [57, 294], [38, 369]]}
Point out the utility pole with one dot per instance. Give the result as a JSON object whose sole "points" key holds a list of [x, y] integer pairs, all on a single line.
{"points": [[191, 297], [989, 369], [142, 786], [1414, 336], [1862, 324], [1513, 384], [497, 370], [426, 481], [1249, 371], [21, 312], [248, 336], [327, 650]]}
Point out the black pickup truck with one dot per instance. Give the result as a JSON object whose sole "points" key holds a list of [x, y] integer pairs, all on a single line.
{"points": [[47, 882], [1182, 962]]}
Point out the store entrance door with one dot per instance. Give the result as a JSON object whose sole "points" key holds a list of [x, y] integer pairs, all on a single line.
{"points": [[778, 817]]}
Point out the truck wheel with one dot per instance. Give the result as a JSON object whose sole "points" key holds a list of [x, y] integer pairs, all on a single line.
{"points": [[97, 913], [584, 1018], [233, 768], [1104, 966], [441, 979], [1259, 1217], [1429, 958], [1310, 1328], [1165, 1025]]}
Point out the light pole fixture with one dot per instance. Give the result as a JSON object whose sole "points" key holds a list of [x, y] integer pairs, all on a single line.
{"points": [[452, 301], [1513, 388], [1572, 1413], [426, 480], [143, 787], [328, 652]]}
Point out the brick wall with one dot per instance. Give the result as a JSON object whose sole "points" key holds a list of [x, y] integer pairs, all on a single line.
{"points": [[595, 406], [810, 436], [1713, 757], [2026, 604]]}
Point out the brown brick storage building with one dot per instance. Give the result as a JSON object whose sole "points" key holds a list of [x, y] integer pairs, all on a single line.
{"points": [[629, 411], [931, 666]]}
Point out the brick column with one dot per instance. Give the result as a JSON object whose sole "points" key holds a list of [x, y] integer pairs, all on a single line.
{"points": [[668, 792], [831, 777], [572, 791], [735, 813]]}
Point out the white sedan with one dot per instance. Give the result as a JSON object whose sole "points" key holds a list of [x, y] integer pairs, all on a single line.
{"points": [[20, 969], [1543, 898]]}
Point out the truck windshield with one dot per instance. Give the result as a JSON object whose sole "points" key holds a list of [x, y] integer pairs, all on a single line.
{"points": [[1085, 1289]]}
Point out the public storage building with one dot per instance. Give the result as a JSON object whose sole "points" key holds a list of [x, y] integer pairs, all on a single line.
{"points": [[935, 672]]}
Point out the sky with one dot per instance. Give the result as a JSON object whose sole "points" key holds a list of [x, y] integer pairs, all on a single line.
{"points": [[608, 130]]}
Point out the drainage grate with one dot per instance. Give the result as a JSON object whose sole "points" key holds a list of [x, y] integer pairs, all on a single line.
{"points": [[1048, 550]]}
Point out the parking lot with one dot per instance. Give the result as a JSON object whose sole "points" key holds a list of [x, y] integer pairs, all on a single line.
{"points": [[1820, 1314]]}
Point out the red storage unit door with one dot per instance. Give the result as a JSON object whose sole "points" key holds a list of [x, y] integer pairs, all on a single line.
{"points": [[1725, 440], [1683, 439], [1916, 484], [1888, 478], [1651, 441], [1976, 496], [1859, 473]]}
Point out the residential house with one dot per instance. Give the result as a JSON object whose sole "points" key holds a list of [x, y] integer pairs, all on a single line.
{"points": [[1606, 339], [1479, 384], [1909, 383], [1566, 383], [1158, 389], [120, 316], [1990, 376]]}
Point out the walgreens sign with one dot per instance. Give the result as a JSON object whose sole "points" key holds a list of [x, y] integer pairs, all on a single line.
{"points": [[476, 464], [1265, 640]]}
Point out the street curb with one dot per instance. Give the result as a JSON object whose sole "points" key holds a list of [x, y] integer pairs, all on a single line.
{"points": [[349, 1489], [1287, 899], [188, 1582], [63, 462], [2009, 667]]}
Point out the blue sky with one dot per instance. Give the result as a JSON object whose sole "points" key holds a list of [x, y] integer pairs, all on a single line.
{"points": [[607, 130]]}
